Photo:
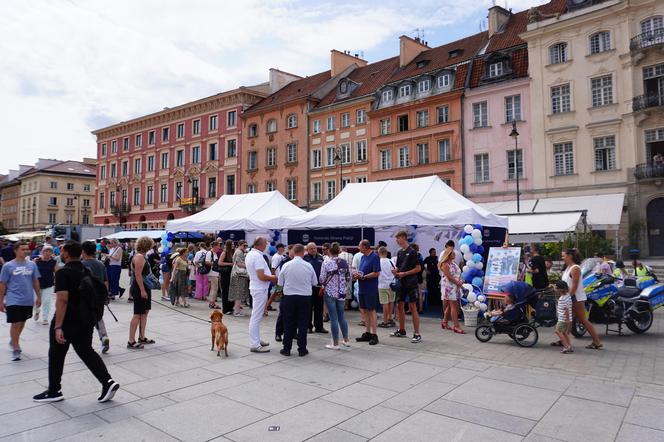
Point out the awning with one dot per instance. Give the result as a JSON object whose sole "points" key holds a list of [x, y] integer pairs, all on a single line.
{"points": [[543, 227], [135, 234], [24, 235]]}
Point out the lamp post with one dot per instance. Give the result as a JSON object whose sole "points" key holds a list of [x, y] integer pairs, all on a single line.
{"points": [[34, 214], [337, 157], [514, 134]]}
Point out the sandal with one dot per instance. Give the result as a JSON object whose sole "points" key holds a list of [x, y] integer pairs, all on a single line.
{"points": [[134, 345], [566, 350], [556, 344], [445, 326], [458, 330], [146, 341], [213, 306], [361, 324], [594, 346], [186, 306]]}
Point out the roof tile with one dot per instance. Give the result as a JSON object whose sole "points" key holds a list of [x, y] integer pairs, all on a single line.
{"points": [[292, 91]]}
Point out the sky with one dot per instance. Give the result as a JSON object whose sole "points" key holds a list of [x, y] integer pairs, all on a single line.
{"points": [[68, 67]]}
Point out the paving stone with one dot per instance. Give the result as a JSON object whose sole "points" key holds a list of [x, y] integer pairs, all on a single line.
{"points": [[533, 437], [437, 361], [359, 396], [573, 419], [455, 376], [128, 429], [357, 357], [85, 404], [83, 381], [473, 365], [298, 423], [170, 382], [29, 418], [136, 408], [235, 364], [635, 433], [417, 397], [204, 388], [530, 378], [18, 396], [58, 429], [325, 375], [601, 392], [403, 377], [202, 418], [646, 412], [163, 364], [336, 435], [373, 421]]}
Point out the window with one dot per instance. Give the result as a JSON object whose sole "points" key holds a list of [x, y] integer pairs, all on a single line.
{"points": [[196, 127], [271, 157], [232, 119], [480, 114], [514, 160], [291, 153], [424, 86], [331, 153], [482, 168], [69, 202], [180, 131], [316, 159], [163, 193], [253, 130], [404, 91], [331, 190], [103, 149], [125, 144], [114, 146], [52, 201], [178, 190], [403, 123], [423, 118], [404, 156], [291, 189], [443, 114], [164, 160], [86, 187], [212, 151], [652, 24], [230, 185], [196, 154], [513, 108], [291, 121], [251, 188], [270, 186], [213, 123], [137, 196], [149, 195], [602, 90], [271, 126], [331, 123], [315, 192], [345, 119], [360, 116], [179, 158], [231, 148], [563, 156], [346, 156], [70, 186], [69, 218], [252, 163], [165, 134], [385, 126], [212, 187], [102, 200], [113, 170], [316, 126], [444, 80], [139, 140], [600, 42], [422, 153], [52, 218], [113, 201], [151, 138], [388, 95], [496, 69], [560, 99], [151, 163], [605, 153], [345, 181], [86, 202], [361, 179], [444, 152], [125, 168], [137, 166], [385, 159], [85, 219], [558, 53], [361, 151]]}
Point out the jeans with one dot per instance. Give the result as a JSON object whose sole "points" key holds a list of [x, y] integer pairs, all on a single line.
{"points": [[259, 298], [335, 308], [46, 303], [296, 311], [114, 280]]}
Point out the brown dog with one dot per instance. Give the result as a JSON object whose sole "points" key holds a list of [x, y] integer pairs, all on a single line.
{"points": [[219, 333]]}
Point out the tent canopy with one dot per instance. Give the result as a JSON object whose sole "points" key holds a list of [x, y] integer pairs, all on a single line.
{"points": [[424, 201], [543, 227], [249, 211], [134, 234]]}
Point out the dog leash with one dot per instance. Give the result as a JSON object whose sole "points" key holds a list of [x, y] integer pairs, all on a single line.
{"points": [[207, 321]]}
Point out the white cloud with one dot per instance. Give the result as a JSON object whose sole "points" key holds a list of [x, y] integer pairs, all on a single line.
{"points": [[69, 67]]}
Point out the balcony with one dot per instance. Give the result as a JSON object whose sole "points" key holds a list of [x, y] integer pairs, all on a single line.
{"points": [[120, 210], [192, 204], [649, 171], [647, 40], [647, 101]]}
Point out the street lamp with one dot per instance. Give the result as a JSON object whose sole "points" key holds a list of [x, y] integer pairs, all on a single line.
{"points": [[337, 157], [514, 134]]}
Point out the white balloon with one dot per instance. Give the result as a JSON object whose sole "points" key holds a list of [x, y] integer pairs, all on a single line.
{"points": [[479, 265], [465, 268], [353, 303], [468, 256], [472, 297], [483, 307], [465, 248], [477, 304], [160, 249], [481, 298], [476, 233], [469, 288], [478, 241], [468, 228]]}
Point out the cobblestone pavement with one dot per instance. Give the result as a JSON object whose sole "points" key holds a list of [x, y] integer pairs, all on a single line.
{"points": [[448, 387]]}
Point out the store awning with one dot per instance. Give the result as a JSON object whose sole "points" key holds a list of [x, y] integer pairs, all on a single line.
{"points": [[543, 227]]}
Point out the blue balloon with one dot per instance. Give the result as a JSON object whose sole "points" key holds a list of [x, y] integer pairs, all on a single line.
{"points": [[466, 276], [477, 257], [473, 248], [477, 281], [480, 273], [469, 239], [478, 226], [480, 250]]}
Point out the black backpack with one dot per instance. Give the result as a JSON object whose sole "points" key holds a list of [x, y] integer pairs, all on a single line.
{"points": [[93, 297]]}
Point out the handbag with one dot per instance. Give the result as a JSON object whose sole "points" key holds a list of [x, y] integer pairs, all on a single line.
{"points": [[395, 285], [151, 282]]}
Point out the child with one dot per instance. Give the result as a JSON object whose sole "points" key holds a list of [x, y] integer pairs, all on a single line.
{"points": [[386, 295], [510, 301], [564, 311]]}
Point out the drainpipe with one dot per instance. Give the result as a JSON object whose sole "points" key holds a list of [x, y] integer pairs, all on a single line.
{"points": [[308, 173], [463, 149]]}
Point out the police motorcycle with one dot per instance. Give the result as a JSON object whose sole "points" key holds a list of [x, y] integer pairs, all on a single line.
{"points": [[631, 305]]}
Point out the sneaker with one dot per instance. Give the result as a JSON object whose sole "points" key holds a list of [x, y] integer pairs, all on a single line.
{"points": [[416, 339], [165, 298], [44, 323], [278, 338], [321, 330], [284, 352], [332, 347], [36, 315], [238, 314], [108, 391], [47, 396], [265, 344], [346, 344], [303, 353], [16, 354], [384, 325], [105, 343], [399, 334], [259, 349], [373, 340], [366, 337]]}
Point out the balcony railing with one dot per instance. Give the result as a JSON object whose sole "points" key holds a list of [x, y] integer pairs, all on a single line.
{"points": [[646, 101], [649, 170], [121, 210], [647, 40], [192, 204]]}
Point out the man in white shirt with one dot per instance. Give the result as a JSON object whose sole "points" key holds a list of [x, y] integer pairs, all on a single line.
{"points": [[296, 277], [277, 257], [260, 278], [212, 257]]}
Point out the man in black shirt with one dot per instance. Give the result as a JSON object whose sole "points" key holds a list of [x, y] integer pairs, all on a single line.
{"points": [[433, 275], [407, 268], [71, 327], [538, 268]]}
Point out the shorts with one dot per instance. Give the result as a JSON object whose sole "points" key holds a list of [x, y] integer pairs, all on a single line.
{"points": [[386, 296], [368, 301], [407, 295], [581, 298], [561, 326], [141, 306], [18, 313]]}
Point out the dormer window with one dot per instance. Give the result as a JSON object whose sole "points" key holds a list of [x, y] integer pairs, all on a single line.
{"points": [[424, 86], [496, 69], [454, 53], [343, 87], [422, 63], [444, 80], [404, 91], [388, 95]]}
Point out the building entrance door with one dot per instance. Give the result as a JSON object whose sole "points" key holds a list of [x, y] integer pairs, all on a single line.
{"points": [[656, 227]]}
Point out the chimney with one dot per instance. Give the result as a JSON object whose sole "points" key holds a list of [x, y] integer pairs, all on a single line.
{"points": [[410, 48], [339, 61], [279, 79], [498, 16]]}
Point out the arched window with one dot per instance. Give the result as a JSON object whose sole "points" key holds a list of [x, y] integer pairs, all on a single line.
{"points": [[600, 42], [253, 130], [652, 24], [558, 53], [291, 121], [271, 126]]}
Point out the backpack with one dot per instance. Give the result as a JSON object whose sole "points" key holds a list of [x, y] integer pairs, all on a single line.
{"points": [[93, 296], [201, 267]]}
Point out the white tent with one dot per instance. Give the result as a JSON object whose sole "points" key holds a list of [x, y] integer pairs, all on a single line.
{"points": [[249, 211], [424, 201], [134, 234]]}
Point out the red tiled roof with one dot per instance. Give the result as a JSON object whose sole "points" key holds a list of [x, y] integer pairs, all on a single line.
{"points": [[65, 167], [292, 91], [519, 62], [460, 77]]}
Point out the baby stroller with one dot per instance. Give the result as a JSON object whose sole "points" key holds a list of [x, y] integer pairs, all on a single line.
{"points": [[515, 322]]}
